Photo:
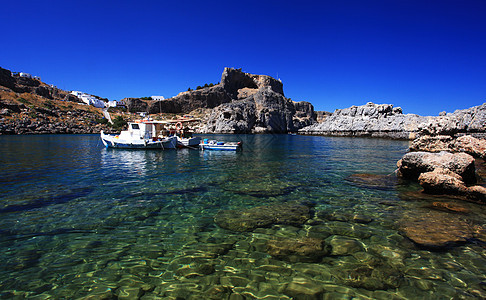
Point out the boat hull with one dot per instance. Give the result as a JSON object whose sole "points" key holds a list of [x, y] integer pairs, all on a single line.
{"points": [[111, 141]]}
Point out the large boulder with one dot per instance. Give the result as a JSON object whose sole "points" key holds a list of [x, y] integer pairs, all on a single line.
{"points": [[414, 163], [444, 181]]}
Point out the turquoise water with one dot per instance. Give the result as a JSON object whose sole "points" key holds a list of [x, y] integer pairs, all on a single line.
{"points": [[78, 220]]}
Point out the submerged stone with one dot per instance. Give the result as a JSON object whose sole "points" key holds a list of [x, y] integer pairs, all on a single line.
{"points": [[436, 230], [263, 216], [373, 181], [344, 246], [301, 249], [302, 288]]}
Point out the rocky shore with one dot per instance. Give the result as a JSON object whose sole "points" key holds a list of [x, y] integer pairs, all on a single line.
{"points": [[384, 120]]}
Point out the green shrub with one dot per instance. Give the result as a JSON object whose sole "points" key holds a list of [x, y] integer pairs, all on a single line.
{"points": [[119, 122], [22, 100]]}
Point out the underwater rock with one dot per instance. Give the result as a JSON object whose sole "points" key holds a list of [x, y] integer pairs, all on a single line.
{"points": [[263, 216], [297, 250], [344, 246], [345, 217], [436, 230], [371, 277], [448, 207], [196, 269], [373, 181], [302, 288]]}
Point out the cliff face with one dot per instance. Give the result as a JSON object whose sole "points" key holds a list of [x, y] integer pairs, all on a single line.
{"points": [[383, 120], [258, 105], [240, 103]]}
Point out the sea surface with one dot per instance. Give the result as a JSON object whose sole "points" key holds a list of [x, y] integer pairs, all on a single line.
{"points": [[81, 221]]}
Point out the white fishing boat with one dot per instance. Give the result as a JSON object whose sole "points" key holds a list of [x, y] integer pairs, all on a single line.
{"points": [[142, 134], [219, 145]]}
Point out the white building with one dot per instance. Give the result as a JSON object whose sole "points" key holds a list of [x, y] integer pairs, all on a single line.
{"points": [[88, 99], [157, 98], [26, 75], [111, 103]]}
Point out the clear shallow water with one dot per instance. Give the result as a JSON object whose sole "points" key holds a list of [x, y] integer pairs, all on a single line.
{"points": [[79, 220]]}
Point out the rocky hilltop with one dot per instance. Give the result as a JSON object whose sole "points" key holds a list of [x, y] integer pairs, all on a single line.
{"points": [[384, 120], [30, 106], [240, 103]]}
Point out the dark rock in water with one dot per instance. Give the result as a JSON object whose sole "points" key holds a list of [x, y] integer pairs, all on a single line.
{"points": [[373, 181], [196, 269], [344, 246], [263, 216], [298, 250], [436, 230], [414, 163], [379, 277], [301, 288], [448, 207], [343, 216]]}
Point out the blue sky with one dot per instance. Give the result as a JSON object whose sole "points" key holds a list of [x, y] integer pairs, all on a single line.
{"points": [[425, 56]]}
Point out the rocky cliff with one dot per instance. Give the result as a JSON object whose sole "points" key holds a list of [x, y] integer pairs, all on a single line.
{"points": [[384, 120], [240, 103]]}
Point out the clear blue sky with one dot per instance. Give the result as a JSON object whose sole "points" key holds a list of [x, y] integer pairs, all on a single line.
{"points": [[426, 56]]}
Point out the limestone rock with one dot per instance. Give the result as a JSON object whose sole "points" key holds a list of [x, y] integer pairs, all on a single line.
{"points": [[442, 181], [375, 120], [263, 216], [297, 250], [414, 163], [383, 120], [467, 144]]}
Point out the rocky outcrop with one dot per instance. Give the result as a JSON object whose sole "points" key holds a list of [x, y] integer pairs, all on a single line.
{"points": [[470, 121], [415, 163], [257, 105], [468, 144], [443, 173], [444, 181], [372, 120], [383, 120], [240, 103]]}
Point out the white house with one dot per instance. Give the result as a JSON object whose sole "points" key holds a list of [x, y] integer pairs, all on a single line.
{"points": [[88, 99], [157, 98], [111, 103], [26, 75]]}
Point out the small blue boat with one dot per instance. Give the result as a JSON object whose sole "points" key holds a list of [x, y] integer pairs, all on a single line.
{"points": [[208, 144]]}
